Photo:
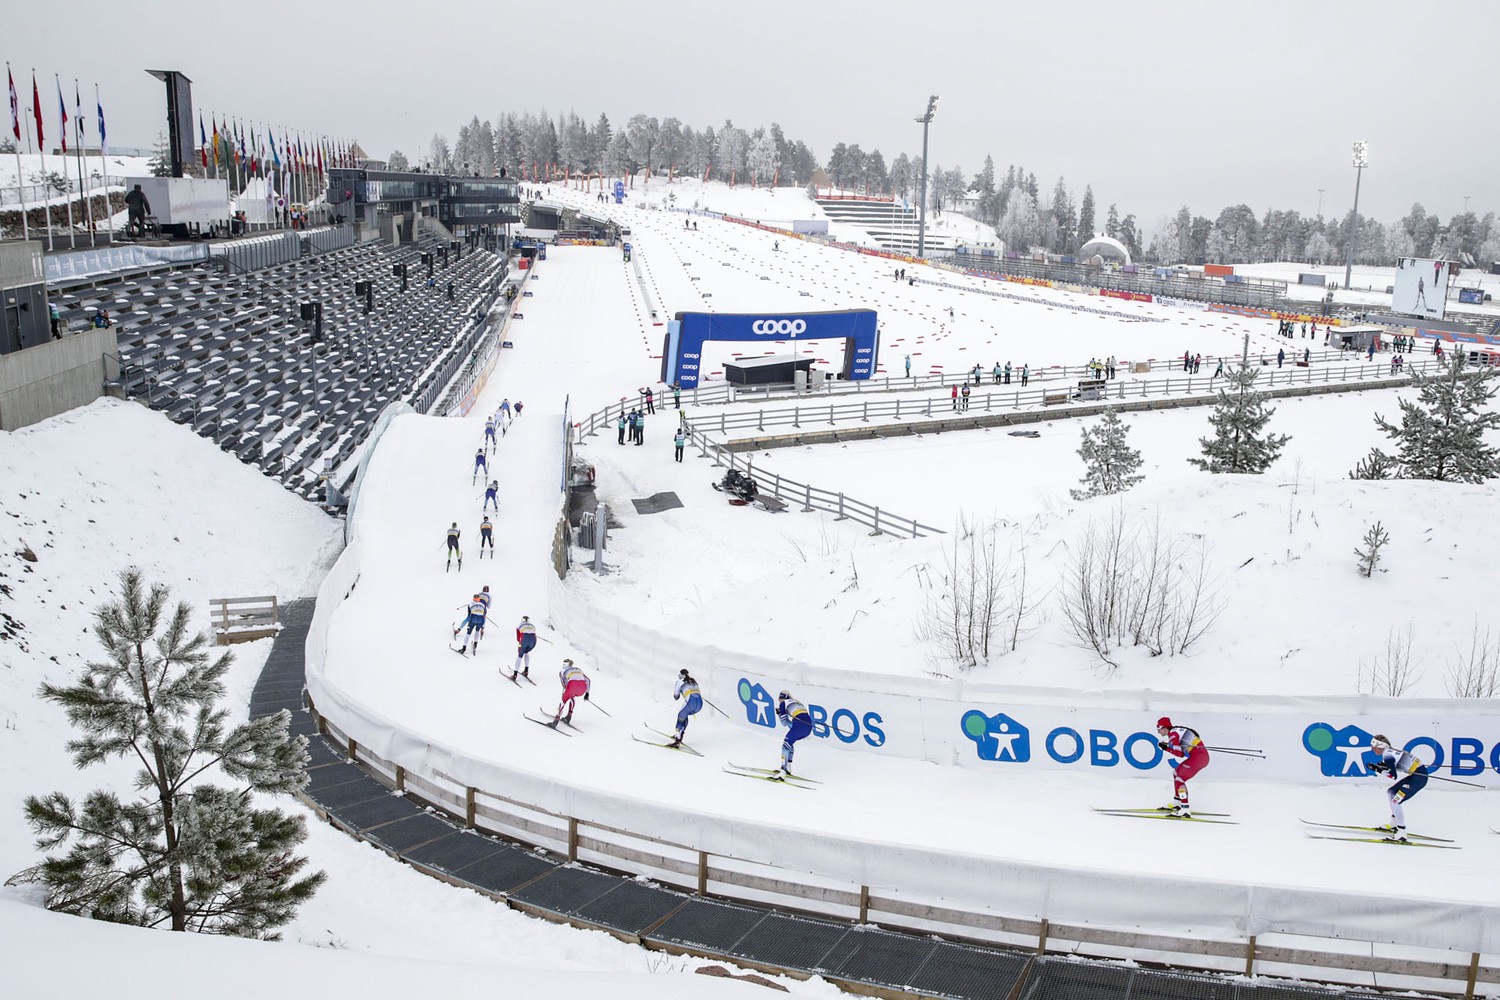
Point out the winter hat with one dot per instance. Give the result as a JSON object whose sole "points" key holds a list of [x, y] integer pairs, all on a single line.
{"points": [[1164, 723], [1379, 741], [783, 696]]}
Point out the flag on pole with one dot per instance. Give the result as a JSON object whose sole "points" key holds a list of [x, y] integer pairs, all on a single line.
{"points": [[62, 111], [15, 106], [36, 113], [202, 141], [103, 138], [275, 153], [216, 142], [80, 121]]}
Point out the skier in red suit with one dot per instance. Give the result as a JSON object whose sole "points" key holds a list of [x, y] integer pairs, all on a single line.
{"points": [[1187, 755]]}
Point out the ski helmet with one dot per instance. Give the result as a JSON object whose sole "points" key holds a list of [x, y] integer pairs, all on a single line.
{"points": [[1164, 723]]}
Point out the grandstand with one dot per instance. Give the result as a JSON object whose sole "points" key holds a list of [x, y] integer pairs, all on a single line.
{"points": [[226, 350], [891, 225]]}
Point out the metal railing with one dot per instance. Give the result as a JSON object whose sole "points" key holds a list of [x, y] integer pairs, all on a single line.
{"points": [[1259, 293], [990, 400], [881, 522]]}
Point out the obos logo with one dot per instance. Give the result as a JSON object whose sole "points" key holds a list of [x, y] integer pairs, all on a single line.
{"points": [[998, 737], [842, 723], [1344, 751], [778, 327], [1007, 740], [1340, 752]]}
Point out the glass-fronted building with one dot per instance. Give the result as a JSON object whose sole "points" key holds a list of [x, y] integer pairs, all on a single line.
{"points": [[390, 201]]}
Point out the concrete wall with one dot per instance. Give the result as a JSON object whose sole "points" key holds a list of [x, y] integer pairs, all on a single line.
{"points": [[55, 377]]}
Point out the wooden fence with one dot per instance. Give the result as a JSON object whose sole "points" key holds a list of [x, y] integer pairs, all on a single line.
{"points": [[627, 852]]}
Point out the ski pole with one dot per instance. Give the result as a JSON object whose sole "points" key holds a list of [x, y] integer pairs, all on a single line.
{"points": [[1456, 781], [1253, 754], [1234, 749], [716, 708], [596, 706]]}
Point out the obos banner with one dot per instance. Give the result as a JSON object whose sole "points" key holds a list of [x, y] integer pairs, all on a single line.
{"points": [[1301, 743]]}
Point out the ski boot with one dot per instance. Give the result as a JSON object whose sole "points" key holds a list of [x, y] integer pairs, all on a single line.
{"points": [[1397, 836]]}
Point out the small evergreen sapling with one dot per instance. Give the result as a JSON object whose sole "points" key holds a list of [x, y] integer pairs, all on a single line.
{"points": [[1375, 539], [1109, 463], [180, 853], [1240, 443]]}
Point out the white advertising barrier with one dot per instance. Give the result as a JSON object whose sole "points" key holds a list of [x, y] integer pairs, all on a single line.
{"points": [[1219, 910], [979, 724]]}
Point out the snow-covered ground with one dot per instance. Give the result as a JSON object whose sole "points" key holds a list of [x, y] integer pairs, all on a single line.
{"points": [[1297, 617], [805, 588], [112, 485]]}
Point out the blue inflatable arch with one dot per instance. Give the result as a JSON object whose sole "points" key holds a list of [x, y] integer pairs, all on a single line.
{"points": [[682, 354]]}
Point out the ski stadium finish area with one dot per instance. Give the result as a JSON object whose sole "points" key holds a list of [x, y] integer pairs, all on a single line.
{"points": [[974, 787]]}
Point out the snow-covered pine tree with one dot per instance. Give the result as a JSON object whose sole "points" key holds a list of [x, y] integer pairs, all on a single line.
{"points": [[1376, 465], [1375, 539], [181, 853], [1109, 463], [1240, 443], [1442, 435]]}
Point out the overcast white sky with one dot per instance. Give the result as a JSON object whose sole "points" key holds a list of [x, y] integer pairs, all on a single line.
{"points": [[1156, 105]]}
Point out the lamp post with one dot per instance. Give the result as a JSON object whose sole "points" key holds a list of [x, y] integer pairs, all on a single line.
{"points": [[1320, 202], [1361, 160], [926, 120]]}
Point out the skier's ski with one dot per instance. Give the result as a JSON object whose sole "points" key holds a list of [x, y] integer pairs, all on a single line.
{"points": [[1149, 810], [1154, 814], [1384, 840], [518, 677], [550, 725], [668, 746], [773, 771], [1377, 829], [460, 650], [790, 781]]}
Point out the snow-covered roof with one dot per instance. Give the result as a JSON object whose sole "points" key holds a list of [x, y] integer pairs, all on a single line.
{"points": [[1107, 247]]}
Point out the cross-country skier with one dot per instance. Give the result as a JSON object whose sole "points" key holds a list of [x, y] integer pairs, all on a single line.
{"points": [[692, 703], [479, 463], [503, 413], [575, 682], [489, 432], [478, 608], [1409, 776], [492, 494], [486, 537], [453, 549], [1188, 755], [484, 595], [525, 643], [800, 722]]}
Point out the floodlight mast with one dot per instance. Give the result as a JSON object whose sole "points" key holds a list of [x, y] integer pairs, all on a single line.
{"points": [[1361, 160], [926, 120]]}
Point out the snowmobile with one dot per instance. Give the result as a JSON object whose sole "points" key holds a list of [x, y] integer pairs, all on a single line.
{"points": [[742, 492]]}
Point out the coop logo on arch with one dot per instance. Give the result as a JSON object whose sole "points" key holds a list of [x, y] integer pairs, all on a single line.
{"points": [[778, 327]]}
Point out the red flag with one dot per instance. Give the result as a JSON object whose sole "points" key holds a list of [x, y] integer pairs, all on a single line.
{"points": [[36, 112]]}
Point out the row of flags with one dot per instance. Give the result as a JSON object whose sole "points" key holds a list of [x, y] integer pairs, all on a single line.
{"points": [[256, 153], [79, 117], [260, 154]]}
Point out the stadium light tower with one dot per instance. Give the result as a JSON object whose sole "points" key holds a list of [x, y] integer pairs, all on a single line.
{"points": [[926, 120], [1361, 160]]}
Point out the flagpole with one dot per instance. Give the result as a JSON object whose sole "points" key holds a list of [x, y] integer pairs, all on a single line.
{"points": [[15, 124], [109, 209], [63, 134], [88, 202]]}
